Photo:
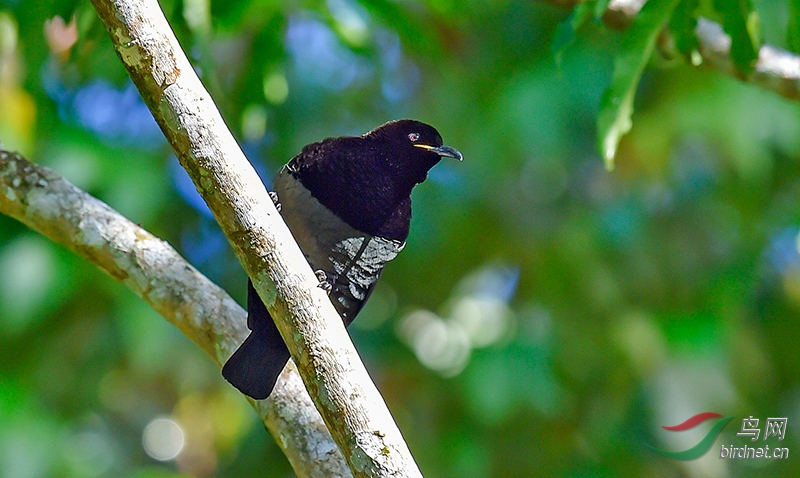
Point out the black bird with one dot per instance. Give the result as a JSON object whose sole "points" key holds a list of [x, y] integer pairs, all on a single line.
{"points": [[347, 202]]}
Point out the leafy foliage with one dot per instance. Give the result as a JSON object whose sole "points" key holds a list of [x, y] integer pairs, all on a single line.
{"points": [[546, 317], [682, 25], [740, 21], [636, 48], [565, 33]]}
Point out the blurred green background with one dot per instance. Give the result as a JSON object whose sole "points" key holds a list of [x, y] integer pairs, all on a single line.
{"points": [[546, 317]]}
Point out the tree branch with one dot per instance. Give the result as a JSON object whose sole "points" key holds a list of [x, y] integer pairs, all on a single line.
{"points": [[44, 201], [776, 70], [332, 372]]}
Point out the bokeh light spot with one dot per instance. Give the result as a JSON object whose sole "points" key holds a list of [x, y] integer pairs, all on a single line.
{"points": [[276, 88], [163, 439], [27, 272]]}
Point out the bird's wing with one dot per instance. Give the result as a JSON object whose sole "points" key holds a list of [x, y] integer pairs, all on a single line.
{"points": [[313, 154]]}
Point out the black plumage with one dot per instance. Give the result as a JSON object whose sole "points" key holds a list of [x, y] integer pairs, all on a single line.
{"points": [[347, 202]]}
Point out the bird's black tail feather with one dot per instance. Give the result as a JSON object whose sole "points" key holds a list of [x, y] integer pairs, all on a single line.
{"points": [[256, 364]]}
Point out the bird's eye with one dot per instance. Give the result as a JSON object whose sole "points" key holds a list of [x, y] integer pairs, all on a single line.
{"points": [[413, 136]]}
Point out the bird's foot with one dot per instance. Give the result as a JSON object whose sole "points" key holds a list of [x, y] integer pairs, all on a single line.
{"points": [[324, 284], [274, 196]]}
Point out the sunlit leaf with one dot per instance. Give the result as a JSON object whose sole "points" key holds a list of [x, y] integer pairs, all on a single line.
{"points": [[740, 21], [617, 103]]}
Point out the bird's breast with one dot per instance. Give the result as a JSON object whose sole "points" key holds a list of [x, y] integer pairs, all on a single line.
{"points": [[351, 259]]}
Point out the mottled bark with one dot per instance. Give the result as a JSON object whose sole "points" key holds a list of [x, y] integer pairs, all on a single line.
{"points": [[44, 201], [337, 381]]}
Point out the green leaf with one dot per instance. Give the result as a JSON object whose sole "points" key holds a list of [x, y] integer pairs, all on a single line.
{"points": [[793, 33], [682, 25], [565, 32], [740, 21], [635, 50]]}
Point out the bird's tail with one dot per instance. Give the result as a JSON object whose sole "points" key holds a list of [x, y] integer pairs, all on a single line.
{"points": [[256, 364]]}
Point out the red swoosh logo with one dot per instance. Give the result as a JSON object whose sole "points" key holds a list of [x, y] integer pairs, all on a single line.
{"points": [[692, 422]]}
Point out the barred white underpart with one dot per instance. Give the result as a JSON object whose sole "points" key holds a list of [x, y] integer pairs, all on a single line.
{"points": [[352, 260], [358, 262]]}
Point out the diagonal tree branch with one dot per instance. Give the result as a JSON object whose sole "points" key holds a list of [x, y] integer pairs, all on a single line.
{"points": [[333, 374], [776, 70], [44, 201]]}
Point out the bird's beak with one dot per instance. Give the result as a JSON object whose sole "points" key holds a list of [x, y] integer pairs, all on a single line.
{"points": [[442, 151]]}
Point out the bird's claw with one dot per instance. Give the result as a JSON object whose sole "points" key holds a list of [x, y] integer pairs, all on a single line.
{"points": [[274, 196], [323, 281]]}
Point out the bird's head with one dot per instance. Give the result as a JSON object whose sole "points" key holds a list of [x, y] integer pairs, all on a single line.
{"points": [[413, 146]]}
